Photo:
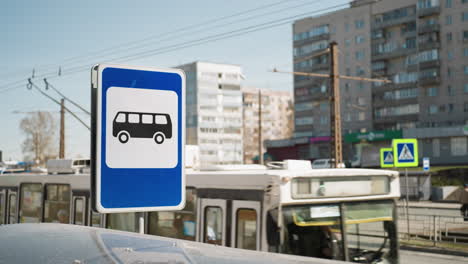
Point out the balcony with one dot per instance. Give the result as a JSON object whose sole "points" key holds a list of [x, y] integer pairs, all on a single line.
{"points": [[429, 45], [429, 64], [393, 54], [325, 36], [381, 102], [393, 118], [393, 22], [392, 86], [429, 28], [429, 11], [430, 80]]}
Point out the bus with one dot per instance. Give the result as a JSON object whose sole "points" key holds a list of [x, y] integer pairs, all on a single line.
{"points": [[142, 125], [290, 208]]}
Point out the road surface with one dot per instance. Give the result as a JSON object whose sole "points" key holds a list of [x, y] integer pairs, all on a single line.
{"points": [[414, 257]]}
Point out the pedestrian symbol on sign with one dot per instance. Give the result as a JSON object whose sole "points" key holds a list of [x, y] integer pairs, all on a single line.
{"points": [[389, 158], [405, 153]]}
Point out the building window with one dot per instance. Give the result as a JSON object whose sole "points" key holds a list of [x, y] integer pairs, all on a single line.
{"points": [[435, 147], [427, 3], [362, 116], [465, 35], [450, 90], [450, 108], [432, 91], [346, 26], [465, 108], [347, 42], [458, 146], [359, 39], [448, 3], [360, 55], [448, 20], [359, 23], [449, 72], [465, 69], [465, 52], [450, 55], [449, 36], [465, 88], [465, 16], [433, 109], [323, 120]]}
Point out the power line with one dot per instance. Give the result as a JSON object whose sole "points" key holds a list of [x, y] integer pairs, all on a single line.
{"points": [[211, 38], [31, 84], [167, 33], [65, 97]]}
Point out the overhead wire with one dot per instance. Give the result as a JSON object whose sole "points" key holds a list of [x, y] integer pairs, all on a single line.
{"points": [[207, 39], [157, 36], [211, 38]]}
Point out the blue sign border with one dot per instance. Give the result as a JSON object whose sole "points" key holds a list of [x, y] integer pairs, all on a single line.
{"points": [[137, 189]]}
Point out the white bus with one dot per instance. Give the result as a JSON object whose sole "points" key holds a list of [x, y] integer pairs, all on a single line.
{"points": [[344, 214]]}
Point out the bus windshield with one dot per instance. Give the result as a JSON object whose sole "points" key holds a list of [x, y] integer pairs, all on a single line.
{"points": [[369, 234]]}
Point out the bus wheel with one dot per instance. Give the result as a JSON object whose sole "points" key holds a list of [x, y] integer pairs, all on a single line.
{"points": [[123, 137], [158, 138]]}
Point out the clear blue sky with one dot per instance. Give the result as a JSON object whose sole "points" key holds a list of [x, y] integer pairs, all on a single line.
{"points": [[49, 33]]}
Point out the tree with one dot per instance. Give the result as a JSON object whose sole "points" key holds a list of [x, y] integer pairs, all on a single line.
{"points": [[39, 128]]}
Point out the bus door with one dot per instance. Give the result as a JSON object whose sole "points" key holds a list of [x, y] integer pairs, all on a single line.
{"points": [[213, 221], [11, 206], [245, 228], [3, 198]]}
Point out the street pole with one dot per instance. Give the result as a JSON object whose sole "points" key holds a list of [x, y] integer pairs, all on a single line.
{"points": [[260, 141], [62, 129], [335, 110], [407, 204]]}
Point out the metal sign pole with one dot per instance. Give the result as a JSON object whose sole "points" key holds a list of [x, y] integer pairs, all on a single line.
{"points": [[407, 204]]}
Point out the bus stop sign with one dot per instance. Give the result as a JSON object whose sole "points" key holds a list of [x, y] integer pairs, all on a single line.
{"points": [[138, 138]]}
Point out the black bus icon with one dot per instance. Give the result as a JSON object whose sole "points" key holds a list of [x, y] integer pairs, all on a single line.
{"points": [[142, 125]]}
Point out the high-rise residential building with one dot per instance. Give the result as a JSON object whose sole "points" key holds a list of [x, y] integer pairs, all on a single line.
{"points": [[420, 45], [214, 111], [276, 118]]}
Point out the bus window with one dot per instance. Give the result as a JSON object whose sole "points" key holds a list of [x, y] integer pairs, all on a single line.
{"points": [[30, 209], [2, 208], [133, 118], [79, 211], [122, 221], [121, 118], [213, 233], [161, 120], [181, 224], [95, 219], [370, 231], [246, 231], [146, 119], [11, 209], [57, 204], [313, 231]]}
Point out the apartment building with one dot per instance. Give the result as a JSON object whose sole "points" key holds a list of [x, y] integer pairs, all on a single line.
{"points": [[214, 111], [276, 119], [420, 45]]}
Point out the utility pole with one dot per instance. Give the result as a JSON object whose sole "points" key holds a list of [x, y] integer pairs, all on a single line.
{"points": [[62, 129], [335, 103], [336, 152], [260, 141]]}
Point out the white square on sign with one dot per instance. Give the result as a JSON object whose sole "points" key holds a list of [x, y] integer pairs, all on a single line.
{"points": [[141, 128]]}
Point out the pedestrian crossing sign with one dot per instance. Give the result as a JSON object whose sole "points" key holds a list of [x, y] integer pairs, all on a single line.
{"points": [[405, 152], [386, 157]]}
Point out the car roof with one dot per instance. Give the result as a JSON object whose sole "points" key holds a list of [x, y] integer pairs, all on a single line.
{"points": [[60, 243]]}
